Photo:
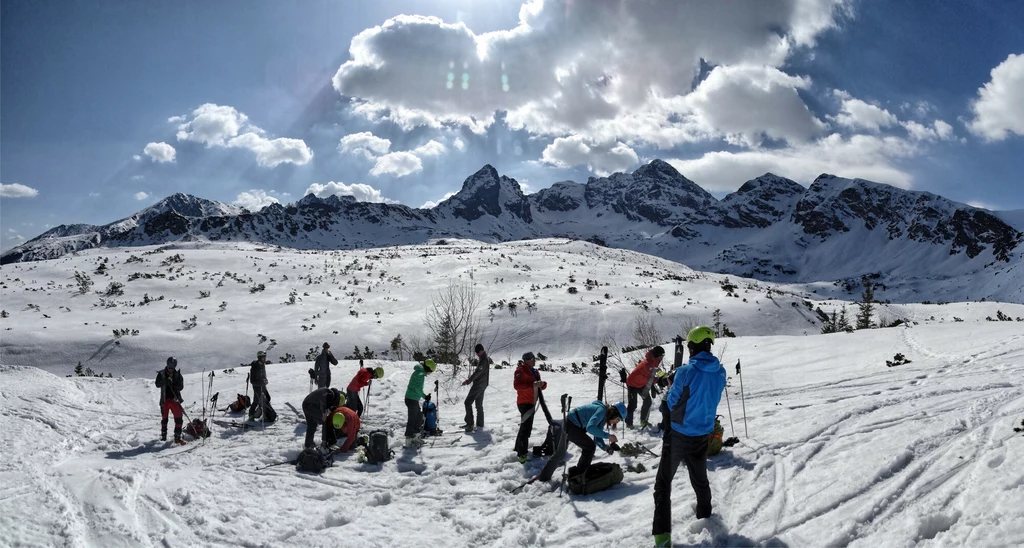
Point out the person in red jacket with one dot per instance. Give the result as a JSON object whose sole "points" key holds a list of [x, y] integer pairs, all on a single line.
{"points": [[639, 382], [527, 383], [343, 422], [363, 377]]}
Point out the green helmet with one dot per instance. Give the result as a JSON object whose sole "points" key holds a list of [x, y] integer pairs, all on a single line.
{"points": [[260, 353], [700, 334], [429, 365], [378, 373]]}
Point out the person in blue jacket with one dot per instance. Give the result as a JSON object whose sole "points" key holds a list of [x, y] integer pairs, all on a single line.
{"points": [[688, 419], [590, 420]]}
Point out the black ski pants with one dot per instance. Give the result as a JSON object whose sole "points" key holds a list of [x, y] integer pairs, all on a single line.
{"points": [[415, 423], [353, 402], [313, 419], [579, 437], [527, 411], [475, 397], [693, 451], [645, 410]]}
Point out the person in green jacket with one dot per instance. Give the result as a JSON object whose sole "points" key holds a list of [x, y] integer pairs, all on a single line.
{"points": [[413, 395]]}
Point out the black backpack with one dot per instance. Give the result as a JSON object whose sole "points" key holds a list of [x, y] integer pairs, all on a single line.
{"points": [[378, 447], [597, 477], [197, 429], [312, 460]]}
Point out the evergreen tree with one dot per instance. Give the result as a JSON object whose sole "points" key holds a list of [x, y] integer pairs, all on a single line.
{"points": [[866, 305], [79, 370], [844, 322], [717, 317], [831, 325], [396, 346]]}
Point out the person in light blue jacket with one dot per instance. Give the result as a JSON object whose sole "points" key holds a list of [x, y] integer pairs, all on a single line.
{"points": [[688, 413], [590, 420]]}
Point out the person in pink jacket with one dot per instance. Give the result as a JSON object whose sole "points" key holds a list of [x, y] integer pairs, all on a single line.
{"points": [[639, 383]]}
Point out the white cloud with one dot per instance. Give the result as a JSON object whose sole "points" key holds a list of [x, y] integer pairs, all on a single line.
{"points": [[361, 192], [938, 131], [175, 119], [141, 196], [94, 194], [864, 156], [458, 144], [431, 204], [397, 164], [160, 152], [601, 159], [223, 126], [568, 65], [255, 200], [431, 148], [999, 108], [136, 157], [364, 143], [138, 177], [17, 190], [16, 238], [857, 114], [919, 108], [273, 152]]}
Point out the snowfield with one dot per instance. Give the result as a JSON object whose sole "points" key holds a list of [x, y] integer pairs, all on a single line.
{"points": [[836, 449]]}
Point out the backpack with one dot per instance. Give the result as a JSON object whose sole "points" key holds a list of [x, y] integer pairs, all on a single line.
{"points": [[597, 477], [197, 429], [240, 404], [312, 460], [430, 416], [548, 447], [715, 439], [378, 447]]}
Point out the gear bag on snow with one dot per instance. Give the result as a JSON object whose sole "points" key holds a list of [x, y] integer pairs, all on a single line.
{"points": [[312, 460], [430, 417], [548, 447], [240, 404], [197, 429], [715, 439], [598, 477], [378, 447]]}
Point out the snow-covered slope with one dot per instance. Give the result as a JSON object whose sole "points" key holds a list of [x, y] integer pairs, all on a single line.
{"points": [[836, 449], [920, 246]]}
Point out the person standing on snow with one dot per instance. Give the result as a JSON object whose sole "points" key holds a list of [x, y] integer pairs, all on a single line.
{"points": [[688, 412], [342, 422], [362, 378], [639, 383], [479, 378], [170, 382], [260, 396], [413, 395], [322, 367], [527, 384], [317, 406], [591, 420]]}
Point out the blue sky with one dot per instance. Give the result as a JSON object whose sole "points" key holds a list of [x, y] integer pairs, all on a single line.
{"points": [[110, 106]]}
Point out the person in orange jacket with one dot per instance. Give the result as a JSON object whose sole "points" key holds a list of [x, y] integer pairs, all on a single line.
{"points": [[639, 383], [527, 383], [342, 422]]}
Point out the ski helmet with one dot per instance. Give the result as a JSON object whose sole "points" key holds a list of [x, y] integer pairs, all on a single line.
{"points": [[172, 363], [700, 334], [479, 348], [378, 373], [621, 409], [429, 365], [528, 356], [260, 353], [338, 421], [657, 351], [338, 397]]}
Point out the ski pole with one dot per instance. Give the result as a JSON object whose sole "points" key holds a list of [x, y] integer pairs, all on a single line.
{"points": [[732, 427], [293, 461], [366, 409], [566, 404], [743, 399], [437, 412]]}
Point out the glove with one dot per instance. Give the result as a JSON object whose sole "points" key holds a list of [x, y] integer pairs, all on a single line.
{"points": [[613, 448], [464, 383], [312, 375], [332, 448]]}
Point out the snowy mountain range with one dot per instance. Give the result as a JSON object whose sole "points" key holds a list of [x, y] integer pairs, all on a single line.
{"points": [[918, 245]]}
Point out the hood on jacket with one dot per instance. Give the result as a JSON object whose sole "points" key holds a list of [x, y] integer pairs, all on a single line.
{"points": [[705, 362]]}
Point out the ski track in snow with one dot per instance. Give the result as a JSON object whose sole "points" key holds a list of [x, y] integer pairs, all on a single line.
{"points": [[841, 450]]}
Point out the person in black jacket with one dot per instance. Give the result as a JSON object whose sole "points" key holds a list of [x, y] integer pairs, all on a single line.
{"points": [[322, 367], [479, 378], [260, 396], [170, 383], [317, 406]]}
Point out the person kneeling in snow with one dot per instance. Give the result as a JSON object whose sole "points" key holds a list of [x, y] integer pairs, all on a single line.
{"points": [[317, 406], [170, 382], [413, 395], [591, 419], [343, 422], [688, 412]]}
